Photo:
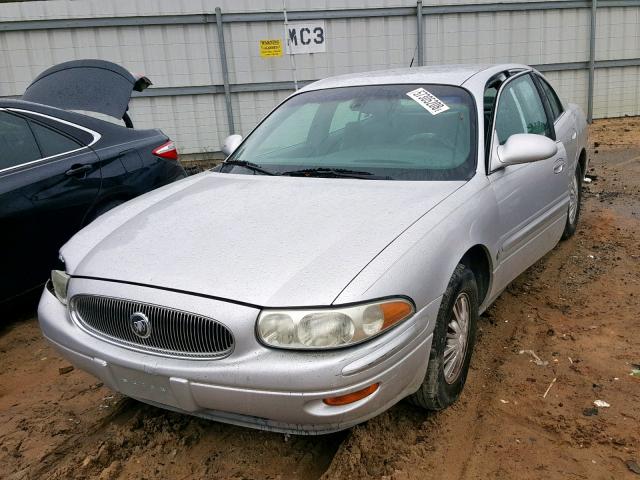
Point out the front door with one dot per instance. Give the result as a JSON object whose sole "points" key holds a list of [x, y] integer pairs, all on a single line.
{"points": [[48, 182], [532, 198]]}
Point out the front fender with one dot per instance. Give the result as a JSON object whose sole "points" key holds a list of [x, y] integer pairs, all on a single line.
{"points": [[420, 262]]}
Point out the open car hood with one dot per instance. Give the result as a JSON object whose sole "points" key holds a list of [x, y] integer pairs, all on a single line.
{"points": [[90, 85]]}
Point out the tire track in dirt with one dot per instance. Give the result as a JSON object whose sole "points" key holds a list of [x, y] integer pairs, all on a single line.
{"points": [[49, 463], [150, 442]]}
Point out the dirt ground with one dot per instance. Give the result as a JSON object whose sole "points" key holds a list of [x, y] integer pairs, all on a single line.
{"points": [[577, 309]]}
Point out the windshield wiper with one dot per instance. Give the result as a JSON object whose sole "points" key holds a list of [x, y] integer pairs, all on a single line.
{"points": [[331, 173], [248, 165]]}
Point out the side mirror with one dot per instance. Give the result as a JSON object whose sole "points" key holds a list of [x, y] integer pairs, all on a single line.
{"points": [[231, 143], [524, 148]]}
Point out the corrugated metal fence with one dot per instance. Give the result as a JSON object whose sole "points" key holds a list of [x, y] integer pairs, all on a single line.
{"points": [[210, 79]]}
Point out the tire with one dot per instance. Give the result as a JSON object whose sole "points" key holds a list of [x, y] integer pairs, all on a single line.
{"points": [[439, 388], [573, 216], [102, 209]]}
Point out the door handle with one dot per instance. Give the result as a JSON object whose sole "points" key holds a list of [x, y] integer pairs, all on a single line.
{"points": [[574, 135], [77, 170]]}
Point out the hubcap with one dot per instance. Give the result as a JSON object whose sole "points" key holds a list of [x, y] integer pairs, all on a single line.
{"points": [[457, 338], [573, 199]]}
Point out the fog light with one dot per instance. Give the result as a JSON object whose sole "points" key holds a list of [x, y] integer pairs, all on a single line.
{"points": [[351, 397]]}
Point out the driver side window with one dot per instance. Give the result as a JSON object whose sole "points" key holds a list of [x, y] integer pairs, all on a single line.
{"points": [[520, 110]]}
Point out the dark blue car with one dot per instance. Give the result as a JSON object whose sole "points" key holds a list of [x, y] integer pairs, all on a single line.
{"points": [[60, 169]]}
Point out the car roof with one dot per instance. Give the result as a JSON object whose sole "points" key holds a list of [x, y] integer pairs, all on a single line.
{"points": [[67, 115], [436, 74], [112, 133]]}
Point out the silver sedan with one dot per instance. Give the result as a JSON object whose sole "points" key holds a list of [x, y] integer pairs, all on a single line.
{"points": [[337, 261]]}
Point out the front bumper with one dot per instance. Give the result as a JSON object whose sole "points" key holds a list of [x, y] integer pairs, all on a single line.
{"points": [[255, 386]]}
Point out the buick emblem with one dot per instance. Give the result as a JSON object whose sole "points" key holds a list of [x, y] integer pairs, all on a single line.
{"points": [[140, 324]]}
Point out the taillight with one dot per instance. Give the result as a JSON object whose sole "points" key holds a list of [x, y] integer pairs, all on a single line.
{"points": [[167, 150]]}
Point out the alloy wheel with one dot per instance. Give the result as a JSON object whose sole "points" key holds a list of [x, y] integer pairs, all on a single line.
{"points": [[573, 199], [457, 338]]}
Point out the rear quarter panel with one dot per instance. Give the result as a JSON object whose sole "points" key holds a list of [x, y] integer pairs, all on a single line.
{"points": [[582, 129], [128, 166]]}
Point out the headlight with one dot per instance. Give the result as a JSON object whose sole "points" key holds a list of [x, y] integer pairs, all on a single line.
{"points": [[60, 281], [330, 327]]}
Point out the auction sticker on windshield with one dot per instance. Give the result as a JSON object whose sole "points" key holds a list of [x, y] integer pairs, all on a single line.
{"points": [[428, 100]]}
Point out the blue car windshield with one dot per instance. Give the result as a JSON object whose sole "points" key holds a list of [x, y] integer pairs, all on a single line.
{"points": [[394, 132]]}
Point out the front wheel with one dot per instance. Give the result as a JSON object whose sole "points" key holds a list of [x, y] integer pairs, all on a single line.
{"points": [[452, 344], [575, 198]]}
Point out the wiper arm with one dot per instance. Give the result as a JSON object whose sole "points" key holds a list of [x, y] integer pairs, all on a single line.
{"points": [[248, 165], [330, 172]]}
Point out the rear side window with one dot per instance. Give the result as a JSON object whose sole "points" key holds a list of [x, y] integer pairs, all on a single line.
{"points": [[17, 143], [82, 136], [520, 110], [554, 101], [51, 142]]}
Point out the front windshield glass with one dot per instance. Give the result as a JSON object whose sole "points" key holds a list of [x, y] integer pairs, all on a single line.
{"points": [[376, 132]]}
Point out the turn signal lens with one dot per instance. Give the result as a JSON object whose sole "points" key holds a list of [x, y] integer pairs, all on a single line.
{"points": [[393, 312], [331, 327], [351, 397]]}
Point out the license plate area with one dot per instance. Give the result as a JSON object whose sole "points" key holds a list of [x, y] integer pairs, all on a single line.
{"points": [[137, 384]]}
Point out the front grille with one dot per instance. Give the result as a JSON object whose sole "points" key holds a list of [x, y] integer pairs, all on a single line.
{"points": [[160, 330]]}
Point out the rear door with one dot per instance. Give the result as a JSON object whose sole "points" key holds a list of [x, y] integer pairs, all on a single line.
{"points": [[49, 179], [532, 197], [563, 121]]}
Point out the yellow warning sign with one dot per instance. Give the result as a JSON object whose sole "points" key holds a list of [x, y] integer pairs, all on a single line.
{"points": [[271, 48]]}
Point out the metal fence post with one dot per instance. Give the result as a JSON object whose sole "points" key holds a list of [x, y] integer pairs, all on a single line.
{"points": [[419, 30], [592, 58], [225, 71]]}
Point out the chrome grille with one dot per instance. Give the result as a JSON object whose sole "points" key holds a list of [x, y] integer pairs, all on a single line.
{"points": [[173, 333]]}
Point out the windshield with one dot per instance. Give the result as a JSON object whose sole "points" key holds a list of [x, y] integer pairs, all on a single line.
{"points": [[395, 132]]}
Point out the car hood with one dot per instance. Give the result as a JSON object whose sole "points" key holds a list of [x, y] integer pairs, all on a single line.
{"points": [[266, 241]]}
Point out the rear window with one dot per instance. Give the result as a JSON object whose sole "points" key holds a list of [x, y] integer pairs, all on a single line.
{"points": [[554, 101], [394, 132]]}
